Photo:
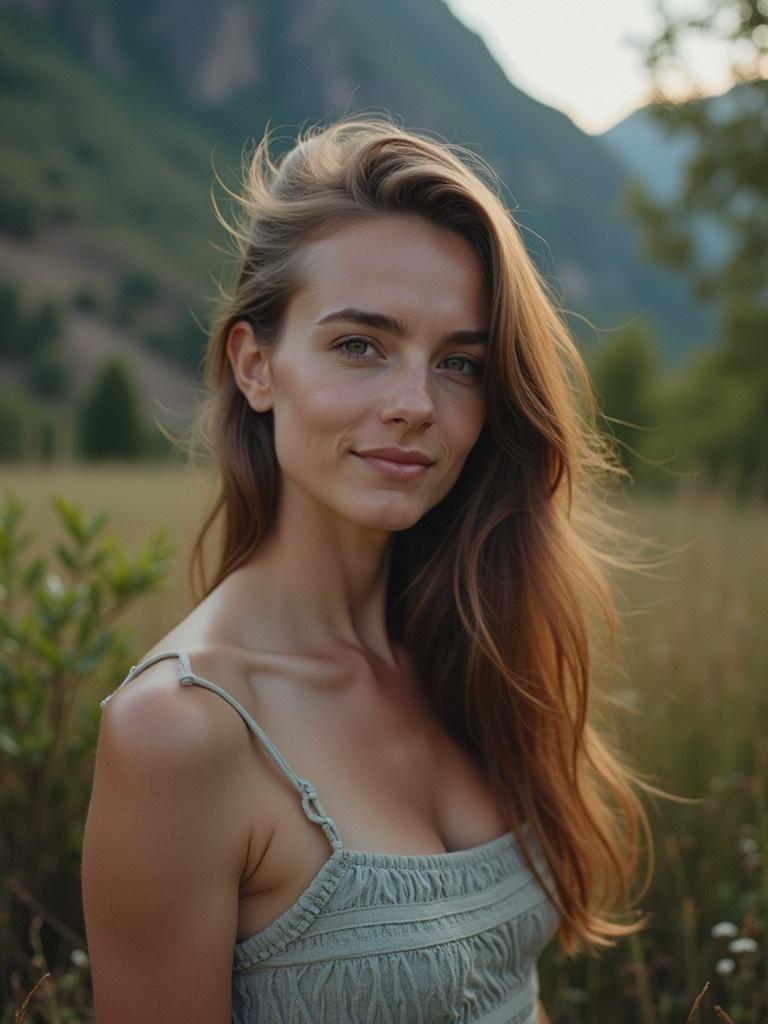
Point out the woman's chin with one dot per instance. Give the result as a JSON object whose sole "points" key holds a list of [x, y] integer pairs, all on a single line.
{"points": [[389, 519]]}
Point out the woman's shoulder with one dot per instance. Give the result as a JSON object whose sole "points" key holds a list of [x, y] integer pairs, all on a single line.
{"points": [[154, 715], [170, 816]]}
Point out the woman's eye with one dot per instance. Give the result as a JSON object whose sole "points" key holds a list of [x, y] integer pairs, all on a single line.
{"points": [[475, 365], [353, 341]]}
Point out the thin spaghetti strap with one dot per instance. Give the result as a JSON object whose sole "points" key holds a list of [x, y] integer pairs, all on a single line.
{"points": [[134, 671], [310, 801]]}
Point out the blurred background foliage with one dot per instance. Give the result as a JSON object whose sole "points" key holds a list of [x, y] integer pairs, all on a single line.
{"points": [[116, 124], [117, 118]]}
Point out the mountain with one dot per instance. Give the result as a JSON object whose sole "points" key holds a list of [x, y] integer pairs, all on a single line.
{"points": [[658, 161], [116, 115]]}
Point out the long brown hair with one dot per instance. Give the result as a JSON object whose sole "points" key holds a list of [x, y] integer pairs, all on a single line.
{"points": [[493, 590]]}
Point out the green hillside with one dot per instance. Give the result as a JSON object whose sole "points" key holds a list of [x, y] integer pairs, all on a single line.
{"points": [[113, 120], [87, 151]]}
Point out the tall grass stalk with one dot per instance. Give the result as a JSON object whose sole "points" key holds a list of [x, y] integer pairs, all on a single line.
{"points": [[648, 1013]]}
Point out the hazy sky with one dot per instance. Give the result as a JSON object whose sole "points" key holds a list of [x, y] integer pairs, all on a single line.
{"points": [[575, 54]]}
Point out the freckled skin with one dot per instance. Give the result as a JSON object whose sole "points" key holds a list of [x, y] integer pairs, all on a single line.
{"points": [[402, 392]]}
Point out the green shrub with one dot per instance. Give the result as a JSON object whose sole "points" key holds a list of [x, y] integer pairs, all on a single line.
{"points": [[56, 630]]}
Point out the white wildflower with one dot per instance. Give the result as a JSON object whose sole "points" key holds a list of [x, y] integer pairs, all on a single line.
{"points": [[725, 966], [725, 930], [79, 958], [747, 845], [54, 584], [743, 945]]}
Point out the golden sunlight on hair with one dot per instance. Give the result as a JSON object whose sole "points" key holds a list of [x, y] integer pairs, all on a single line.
{"points": [[500, 591]]}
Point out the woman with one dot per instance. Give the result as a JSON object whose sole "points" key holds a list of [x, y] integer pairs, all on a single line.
{"points": [[418, 802]]}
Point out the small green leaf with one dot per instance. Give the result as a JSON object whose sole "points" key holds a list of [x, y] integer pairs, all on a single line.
{"points": [[96, 525], [71, 517], [33, 574], [67, 557], [9, 631], [11, 511], [8, 744], [91, 659]]}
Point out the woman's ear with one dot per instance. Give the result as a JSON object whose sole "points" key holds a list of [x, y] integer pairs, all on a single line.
{"points": [[249, 359]]}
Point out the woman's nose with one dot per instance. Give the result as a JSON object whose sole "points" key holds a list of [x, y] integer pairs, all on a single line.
{"points": [[409, 395]]}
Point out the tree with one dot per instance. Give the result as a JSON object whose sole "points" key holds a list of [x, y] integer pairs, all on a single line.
{"points": [[14, 424], [725, 180], [109, 422], [10, 318], [43, 327], [623, 372], [50, 374], [26, 332]]}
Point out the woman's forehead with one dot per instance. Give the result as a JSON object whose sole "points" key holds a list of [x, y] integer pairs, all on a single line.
{"points": [[398, 266]]}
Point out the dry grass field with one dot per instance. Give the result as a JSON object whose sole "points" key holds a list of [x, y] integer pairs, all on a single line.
{"points": [[693, 696], [138, 499]]}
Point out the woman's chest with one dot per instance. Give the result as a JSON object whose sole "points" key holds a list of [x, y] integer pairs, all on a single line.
{"points": [[392, 782]]}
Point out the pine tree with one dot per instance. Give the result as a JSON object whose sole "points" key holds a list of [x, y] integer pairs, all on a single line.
{"points": [[109, 421]]}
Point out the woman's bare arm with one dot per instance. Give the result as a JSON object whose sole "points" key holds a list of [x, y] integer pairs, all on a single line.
{"points": [[162, 856]]}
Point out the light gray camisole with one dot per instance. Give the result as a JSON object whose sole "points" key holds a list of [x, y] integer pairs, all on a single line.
{"points": [[379, 938]]}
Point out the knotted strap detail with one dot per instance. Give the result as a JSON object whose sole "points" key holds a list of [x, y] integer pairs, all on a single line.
{"points": [[309, 799], [315, 811]]}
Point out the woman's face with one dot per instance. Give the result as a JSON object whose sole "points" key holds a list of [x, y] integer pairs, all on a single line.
{"points": [[366, 360]]}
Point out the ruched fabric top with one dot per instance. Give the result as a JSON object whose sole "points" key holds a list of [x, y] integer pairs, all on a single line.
{"points": [[380, 938]]}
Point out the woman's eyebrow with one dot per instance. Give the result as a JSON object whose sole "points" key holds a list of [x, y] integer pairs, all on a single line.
{"points": [[396, 327]]}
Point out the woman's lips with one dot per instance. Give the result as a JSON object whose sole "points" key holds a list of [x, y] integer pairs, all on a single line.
{"points": [[394, 470]]}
